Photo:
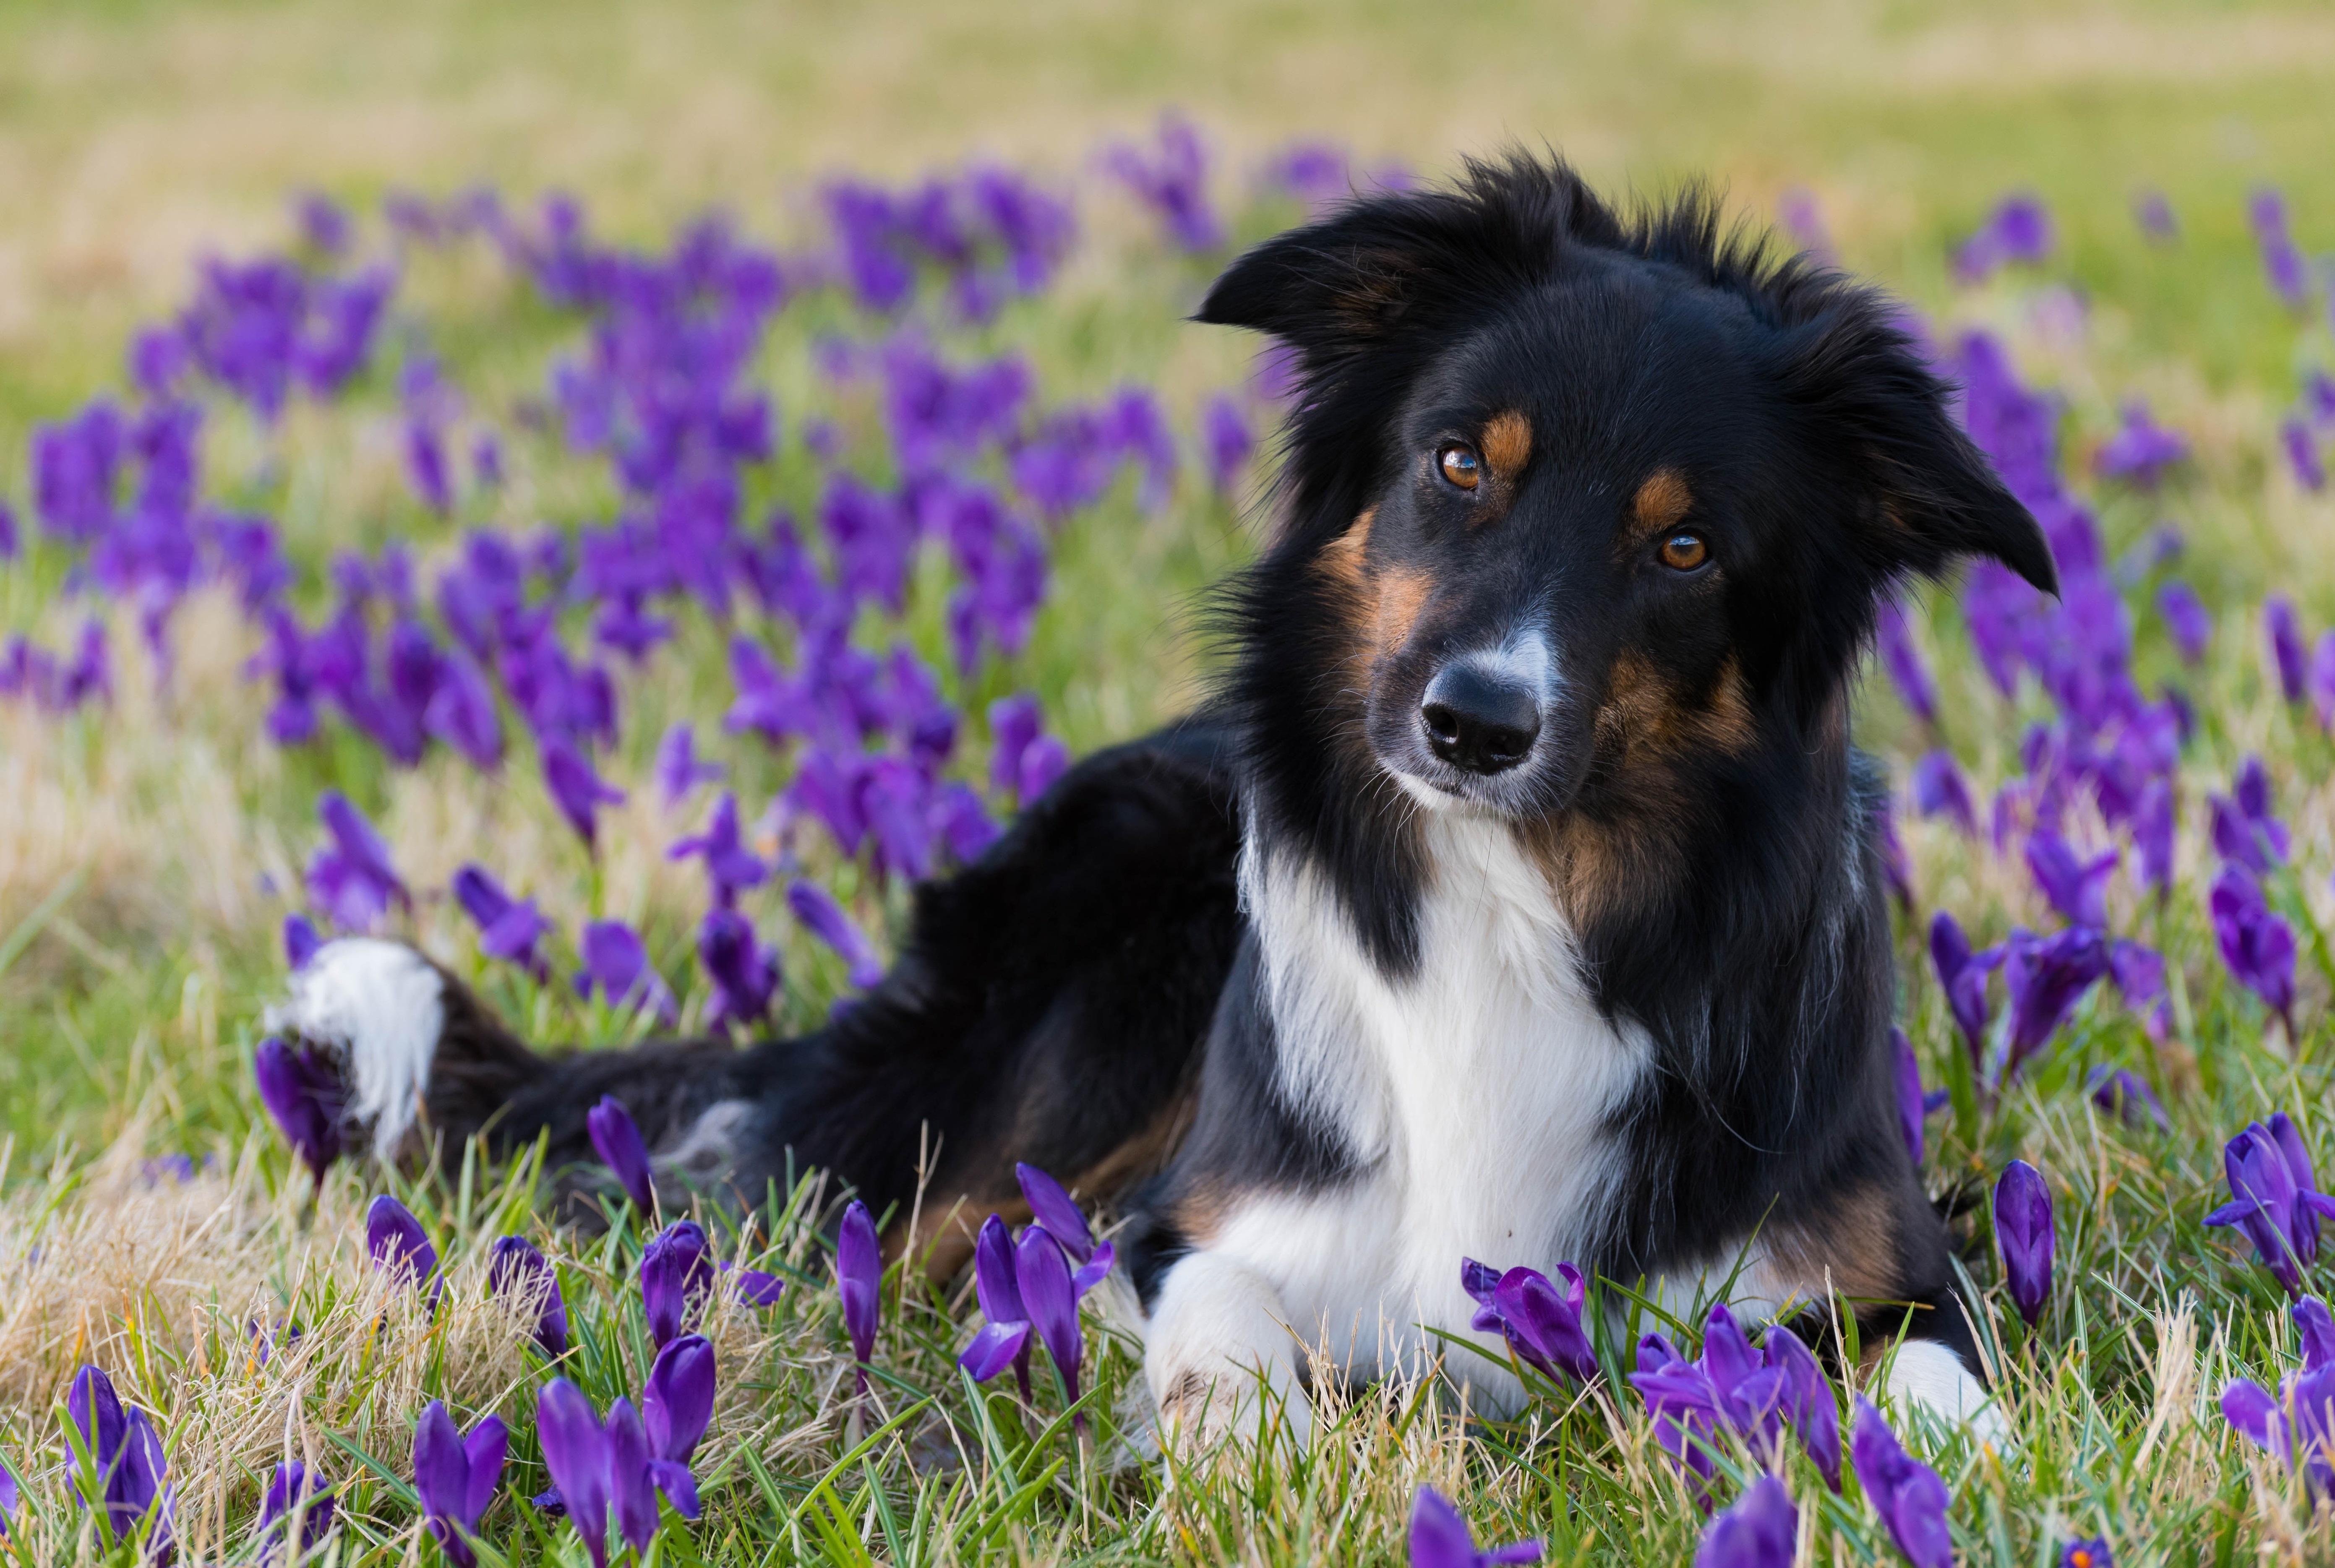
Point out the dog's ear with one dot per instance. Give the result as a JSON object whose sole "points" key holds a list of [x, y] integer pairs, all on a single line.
{"points": [[1871, 400], [1391, 267]]}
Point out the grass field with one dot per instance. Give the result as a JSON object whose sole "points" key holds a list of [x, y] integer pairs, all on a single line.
{"points": [[150, 848]]}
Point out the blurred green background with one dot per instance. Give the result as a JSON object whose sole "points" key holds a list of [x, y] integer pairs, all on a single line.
{"points": [[135, 138]]}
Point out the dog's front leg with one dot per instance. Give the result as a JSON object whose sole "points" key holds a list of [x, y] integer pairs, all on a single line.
{"points": [[1221, 1358]]}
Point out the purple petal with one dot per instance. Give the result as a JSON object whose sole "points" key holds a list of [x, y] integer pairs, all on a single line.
{"points": [[1053, 1209], [576, 1452], [994, 1349], [617, 1139], [859, 1277], [678, 1401]]}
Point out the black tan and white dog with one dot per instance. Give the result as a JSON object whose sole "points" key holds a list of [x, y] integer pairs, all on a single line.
{"points": [[1517, 898]]}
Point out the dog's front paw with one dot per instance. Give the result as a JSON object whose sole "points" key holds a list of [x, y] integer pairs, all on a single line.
{"points": [[1221, 1360]]}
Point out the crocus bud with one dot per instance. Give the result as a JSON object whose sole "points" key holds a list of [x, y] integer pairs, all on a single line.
{"points": [[617, 1139], [859, 1278], [2022, 1229]]}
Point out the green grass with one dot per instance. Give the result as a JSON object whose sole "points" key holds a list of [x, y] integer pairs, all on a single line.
{"points": [[137, 941]]}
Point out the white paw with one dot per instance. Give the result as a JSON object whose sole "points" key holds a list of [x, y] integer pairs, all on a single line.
{"points": [[1220, 1360], [383, 1007], [1926, 1376]]}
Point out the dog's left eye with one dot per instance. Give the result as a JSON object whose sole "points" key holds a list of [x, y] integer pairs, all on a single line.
{"points": [[1684, 552], [1459, 465]]}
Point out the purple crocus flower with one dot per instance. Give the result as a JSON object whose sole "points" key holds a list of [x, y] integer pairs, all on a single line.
{"points": [[456, 1477], [2288, 655], [126, 1455], [745, 972], [824, 918], [1962, 975], [2125, 1093], [729, 865], [1939, 790], [2024, 1234], [1542, 1324], [676, 1278], [2245, 833], [1440, 1538], [617, 1139], [2186, 617], [509, 928], [517, 1267], [302, 1089], [1902, 660], [1914, 1106], [1051, 1299], [1805, 1398], [676, 1405], [859, 1281], [295, 1490], [9, 1497], [2087, 1554], [2274, 1198], [2076, 887], [301, 940], [1004, 1337], [2296, 1424], [1761, 1531], [1228, 442], [2281, 260], [400, 1248], [352, 878], [678, 769], [2320, 681], [2154, 213], [1173, 182], [1907, 1494], [2020, 230], [2256, 942], [577, 1452], [2046, 977], [576, 788], [2302, 455], [617, 960], [2141, 451], [1754, 1393]]}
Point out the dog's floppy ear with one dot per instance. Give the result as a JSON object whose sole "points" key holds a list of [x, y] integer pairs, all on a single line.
{"points": [[1869, 395], [1387, 267]]}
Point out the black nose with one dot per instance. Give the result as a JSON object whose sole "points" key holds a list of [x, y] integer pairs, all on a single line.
{"points": [[1478, 721]]}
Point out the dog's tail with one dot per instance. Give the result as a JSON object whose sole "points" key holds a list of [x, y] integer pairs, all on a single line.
{"points": [[1048, 1006]]}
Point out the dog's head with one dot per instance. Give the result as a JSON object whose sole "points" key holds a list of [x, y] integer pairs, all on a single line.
{"points": [[1577, 507]]}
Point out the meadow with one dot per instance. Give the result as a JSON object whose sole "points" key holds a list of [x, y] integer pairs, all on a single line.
{"points": [[445, 458]]}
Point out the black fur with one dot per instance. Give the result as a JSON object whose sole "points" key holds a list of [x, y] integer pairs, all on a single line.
{"points": [[1692, 790]]}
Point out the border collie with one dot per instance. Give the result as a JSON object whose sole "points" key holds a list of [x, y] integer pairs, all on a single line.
{"points": [[1517, 898]]}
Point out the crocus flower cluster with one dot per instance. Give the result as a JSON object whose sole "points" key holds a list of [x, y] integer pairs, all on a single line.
{"points": [[2274, 1198], [2255, 942], [1030, 1288], [618, 1466], [1756, 1394], [2298, 1423]]}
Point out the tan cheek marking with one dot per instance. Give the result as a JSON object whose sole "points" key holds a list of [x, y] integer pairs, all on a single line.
{"points": [[1507, 443], [1401, 595], [1662, 501], [1729, 723]]}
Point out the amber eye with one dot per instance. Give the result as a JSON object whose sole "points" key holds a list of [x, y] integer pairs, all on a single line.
{"points": [[1461, 466], [1684, 552]]}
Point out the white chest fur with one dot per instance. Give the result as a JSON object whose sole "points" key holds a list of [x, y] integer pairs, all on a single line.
{"points": [[1473, 1094]]}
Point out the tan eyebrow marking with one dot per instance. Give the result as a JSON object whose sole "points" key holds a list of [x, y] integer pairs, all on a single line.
{"points": [[1507, 443], [1662, 501]]}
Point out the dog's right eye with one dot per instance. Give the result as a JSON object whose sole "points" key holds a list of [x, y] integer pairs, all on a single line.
{"points": [[1460, 465]]}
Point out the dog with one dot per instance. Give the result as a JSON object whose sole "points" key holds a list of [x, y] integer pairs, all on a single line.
{"points": [[1518, 896]]}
